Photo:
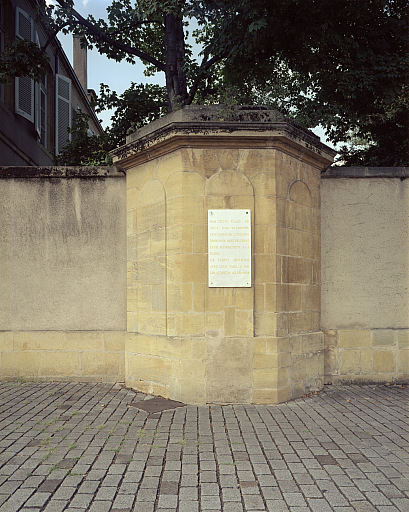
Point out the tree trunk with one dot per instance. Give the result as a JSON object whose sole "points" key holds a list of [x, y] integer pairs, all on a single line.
{"points": [[175, 59]]}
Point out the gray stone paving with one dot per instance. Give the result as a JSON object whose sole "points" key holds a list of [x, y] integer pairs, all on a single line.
{"points": [[79, 446]]}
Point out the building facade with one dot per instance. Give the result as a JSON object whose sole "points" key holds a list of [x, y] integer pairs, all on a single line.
{"points": [[35, 117]]}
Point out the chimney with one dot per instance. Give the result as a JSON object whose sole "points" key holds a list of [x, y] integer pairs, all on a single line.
{"points": [[80, 61]]}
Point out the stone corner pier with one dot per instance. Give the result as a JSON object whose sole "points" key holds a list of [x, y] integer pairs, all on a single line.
{"points": [[223, 237]]}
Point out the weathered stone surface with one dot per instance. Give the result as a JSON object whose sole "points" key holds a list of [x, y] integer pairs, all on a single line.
{"points": [[179, 167]]}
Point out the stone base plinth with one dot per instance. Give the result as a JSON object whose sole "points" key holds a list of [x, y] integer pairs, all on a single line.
{"points": [[225, 370]]}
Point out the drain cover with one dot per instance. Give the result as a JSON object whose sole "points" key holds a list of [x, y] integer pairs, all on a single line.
{"points": [[157, 404]]}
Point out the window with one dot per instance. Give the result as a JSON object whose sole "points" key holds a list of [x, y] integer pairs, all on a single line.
{"points": [[24, 92], [63, 112]]}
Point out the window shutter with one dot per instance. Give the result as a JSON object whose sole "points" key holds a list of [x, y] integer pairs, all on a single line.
{"points": [[37, 108], [1, 47], [41, 109], [63, 112], [25, 97], [24, 86], [37, 96], [24, 25]]}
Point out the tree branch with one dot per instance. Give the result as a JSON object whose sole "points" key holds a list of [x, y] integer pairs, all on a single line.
{"points": [[53, 35], [203, 68], [104, 37]]}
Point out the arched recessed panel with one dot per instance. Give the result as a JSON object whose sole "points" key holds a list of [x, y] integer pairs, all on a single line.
{"points": [[300, 193], [230, 183], [230, 310], [149, 262]]}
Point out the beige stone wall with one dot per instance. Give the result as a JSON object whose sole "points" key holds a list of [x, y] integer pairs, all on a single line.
{"points": [[62, 258], [366, 355], [365, 276], [96, 356], [63, 273]]}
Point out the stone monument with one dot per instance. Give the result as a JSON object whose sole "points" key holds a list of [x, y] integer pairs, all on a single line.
{"points": [[223, 229]]}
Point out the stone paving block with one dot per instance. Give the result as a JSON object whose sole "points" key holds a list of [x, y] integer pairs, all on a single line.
{"points": [[253, 502], [123, 502], [232, 507], [168, 501], [230, 494], [188, 506], [314, 449], [210, 503], [38, 499], [144, 506], [188, 494], [56, 506]]}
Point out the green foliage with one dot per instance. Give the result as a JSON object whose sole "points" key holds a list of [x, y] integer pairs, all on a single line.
{"points": [[343, 65], [138, 105], [22, 58], [84, 148]]}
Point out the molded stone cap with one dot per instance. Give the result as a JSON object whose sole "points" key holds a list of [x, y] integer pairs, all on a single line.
{"points": [[82, 172], [204, 121], [366, 172]]}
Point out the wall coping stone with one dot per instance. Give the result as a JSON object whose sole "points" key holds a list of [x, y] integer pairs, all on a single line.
{"points": [[81, 172], [366, 172]]}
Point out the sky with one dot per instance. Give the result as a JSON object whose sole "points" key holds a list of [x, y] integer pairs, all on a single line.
{"points": [[117, 75]]}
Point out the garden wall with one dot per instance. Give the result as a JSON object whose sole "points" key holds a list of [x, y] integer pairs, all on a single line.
{"points": [[365, 274], [63, 273]]}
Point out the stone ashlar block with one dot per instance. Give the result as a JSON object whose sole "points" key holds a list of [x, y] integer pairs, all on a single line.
{"points": [[366, 361], [272, 396], [277, 360], [20, 364], [149, 368], [95, 363], [265, 211], [350, 362], [354, 339], [266, 323], [137, 344], [193, 391], [192, 369], [230, 321], [244, 323], [270, 378], [40, 340], [383, 338], [403, 362], [6, 341], [383, 361], [295, 243], [193, 324], [265, 269], [403, 338], [166, 347], [60, 364], [264, 184], [114, 341]]}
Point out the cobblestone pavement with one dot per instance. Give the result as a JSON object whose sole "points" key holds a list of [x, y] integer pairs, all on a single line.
{"points": [[79, 446]]}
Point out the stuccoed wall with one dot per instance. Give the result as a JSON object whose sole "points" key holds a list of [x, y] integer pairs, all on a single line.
{"points": [[365, 274], [63, 273]]}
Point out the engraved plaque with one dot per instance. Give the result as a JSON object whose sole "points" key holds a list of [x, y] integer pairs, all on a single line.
{"points": [[229, 239]]}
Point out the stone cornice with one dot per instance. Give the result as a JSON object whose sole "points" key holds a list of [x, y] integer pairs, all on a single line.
{"points": [[244, 127], [54, 172]]}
